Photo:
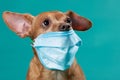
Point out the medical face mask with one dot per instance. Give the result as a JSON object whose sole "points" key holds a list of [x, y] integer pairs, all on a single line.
{"points": [[56, 50]]}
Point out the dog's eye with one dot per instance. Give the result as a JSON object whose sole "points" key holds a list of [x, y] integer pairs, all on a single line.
{"points": [[68, 20], [46, 22]]}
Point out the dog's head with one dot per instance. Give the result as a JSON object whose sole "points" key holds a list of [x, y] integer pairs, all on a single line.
{"points": [[27, 25]]}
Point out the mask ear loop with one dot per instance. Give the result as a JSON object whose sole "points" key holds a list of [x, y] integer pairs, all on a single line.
{"points": [[32, 42]]}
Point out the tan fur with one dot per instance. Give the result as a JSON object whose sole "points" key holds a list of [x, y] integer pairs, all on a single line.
{"points": [[32, 26]]}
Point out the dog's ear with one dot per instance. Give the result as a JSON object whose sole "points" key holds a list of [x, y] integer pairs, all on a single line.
{"points": [[19, 23], [78, 22]]}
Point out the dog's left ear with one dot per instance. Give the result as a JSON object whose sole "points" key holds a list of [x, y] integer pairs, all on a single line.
{"points": [[78, 22]]}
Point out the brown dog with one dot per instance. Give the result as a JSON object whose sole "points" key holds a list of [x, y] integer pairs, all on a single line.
{"points": [[27, 25]]}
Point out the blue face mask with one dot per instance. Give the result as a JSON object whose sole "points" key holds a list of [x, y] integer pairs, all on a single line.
{"points": [[56, 50]]}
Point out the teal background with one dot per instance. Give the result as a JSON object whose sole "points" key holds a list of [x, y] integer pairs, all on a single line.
{"points": [[99, 56]]}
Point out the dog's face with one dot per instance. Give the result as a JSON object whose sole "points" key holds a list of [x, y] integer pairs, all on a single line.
{"points": [[51, 22], [32, 26]]}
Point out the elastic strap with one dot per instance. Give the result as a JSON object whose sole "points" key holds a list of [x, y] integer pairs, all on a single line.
{"points": [[31, 42]]}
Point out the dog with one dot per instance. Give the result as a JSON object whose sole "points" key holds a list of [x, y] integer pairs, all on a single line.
{"points": [[26, 25]]}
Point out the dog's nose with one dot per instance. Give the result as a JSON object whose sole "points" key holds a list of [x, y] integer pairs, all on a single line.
{"points": [[64, 27]]}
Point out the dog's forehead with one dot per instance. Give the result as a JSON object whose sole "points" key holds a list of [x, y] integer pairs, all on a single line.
{"points": [[58, 14], [55, 14]]}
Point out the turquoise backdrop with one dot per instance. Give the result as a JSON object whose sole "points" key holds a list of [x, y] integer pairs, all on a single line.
{"points": [[99, 56]]}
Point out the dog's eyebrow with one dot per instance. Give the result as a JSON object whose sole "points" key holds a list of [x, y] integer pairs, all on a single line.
{"points": [[58, 16]]}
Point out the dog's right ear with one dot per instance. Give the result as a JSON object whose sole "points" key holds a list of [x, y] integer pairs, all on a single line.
{"points": [[78, 22], [19, 23]]}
